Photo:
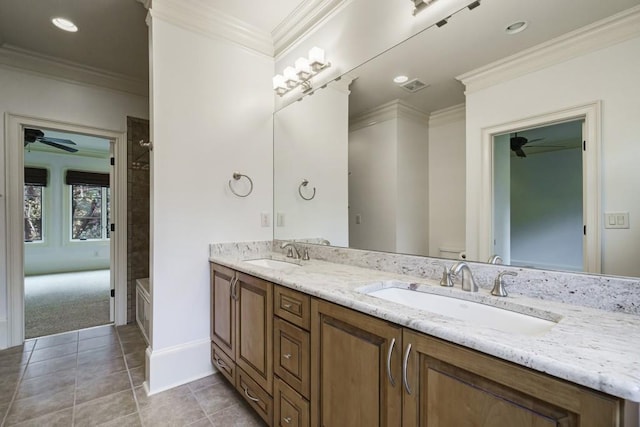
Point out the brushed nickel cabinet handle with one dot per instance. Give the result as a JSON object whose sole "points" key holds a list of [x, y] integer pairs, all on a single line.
{"points": [[287, 356], [234, 288], [286, 305], [220, 363], [405, 362], [389, 353], [287, 420], [246, 393]]}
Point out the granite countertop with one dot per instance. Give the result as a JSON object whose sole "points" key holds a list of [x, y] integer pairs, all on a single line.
{"points": [[594, 348]]}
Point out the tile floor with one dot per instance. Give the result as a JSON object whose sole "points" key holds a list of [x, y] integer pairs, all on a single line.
{"points": [[94, 377]]}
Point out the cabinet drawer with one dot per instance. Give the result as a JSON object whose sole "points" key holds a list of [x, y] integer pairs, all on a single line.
{"points": [[292, 358], [223, 363], [293, 306], [255, 395], [290, 409]]}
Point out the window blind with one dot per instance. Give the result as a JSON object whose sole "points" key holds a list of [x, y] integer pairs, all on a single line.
{"points": [[35, 176], [86, 178]]}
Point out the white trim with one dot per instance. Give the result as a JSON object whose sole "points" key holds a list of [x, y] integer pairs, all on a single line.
{"points": [[174, 366], [16, 58], [4, 328], [14, 181], [388, 111], [591, 178], [305, 19], [200, 17], [606, 32], [448, 115]]}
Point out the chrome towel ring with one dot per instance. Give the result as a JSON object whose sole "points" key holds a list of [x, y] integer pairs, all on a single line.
{"points": [[304, 183], [237, 176]]}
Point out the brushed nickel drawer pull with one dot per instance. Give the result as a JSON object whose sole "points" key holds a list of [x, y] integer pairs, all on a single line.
{"points": [[286, 305], [246, 393], [391, 380], [404, 369], [287, 420], [221, 363], [287, 356]]}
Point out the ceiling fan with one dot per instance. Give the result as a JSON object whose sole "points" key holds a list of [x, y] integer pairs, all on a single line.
{"points": [[36, 135], [517, 142]]}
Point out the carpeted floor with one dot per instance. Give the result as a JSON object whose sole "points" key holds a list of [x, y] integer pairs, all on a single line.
{"points": [[64, 302]]}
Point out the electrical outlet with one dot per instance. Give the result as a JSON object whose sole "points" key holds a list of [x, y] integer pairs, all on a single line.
{"points": [[358, 218], [265, 220], [280, 219]]}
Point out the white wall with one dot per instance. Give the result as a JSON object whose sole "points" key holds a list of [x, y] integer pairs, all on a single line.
{"points": [[388, 186], [546, 210], [447, 180], [310, 142], [609, 75], [212, 108], [34, 95], [57, 253]]}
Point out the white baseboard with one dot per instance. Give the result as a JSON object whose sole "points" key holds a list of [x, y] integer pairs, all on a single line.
{"points": [[174, 366], [4, 334]]}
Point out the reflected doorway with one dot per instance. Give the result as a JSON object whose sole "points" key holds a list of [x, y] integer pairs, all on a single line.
{"points": [[539, 210]]}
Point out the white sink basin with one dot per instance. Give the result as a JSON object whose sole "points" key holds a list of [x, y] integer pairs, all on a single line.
{"points": [[473, 312], [272, 264]]}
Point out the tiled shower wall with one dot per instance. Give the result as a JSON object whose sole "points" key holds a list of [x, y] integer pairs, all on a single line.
{"points": [[137, 209]]}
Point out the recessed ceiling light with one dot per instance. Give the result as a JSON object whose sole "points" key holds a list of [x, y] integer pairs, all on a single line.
{"points": [[516, 27], [400, 79], [64, 24]]}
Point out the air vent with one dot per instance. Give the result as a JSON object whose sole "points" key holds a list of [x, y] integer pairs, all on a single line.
{"points": [[413, 85]]}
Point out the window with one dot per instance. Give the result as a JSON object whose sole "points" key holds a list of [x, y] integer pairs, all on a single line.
{"points": [[35, 179], [90, 205]]}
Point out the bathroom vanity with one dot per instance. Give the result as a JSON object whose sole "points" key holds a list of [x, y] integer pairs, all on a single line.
{"points": [[308, 343]]}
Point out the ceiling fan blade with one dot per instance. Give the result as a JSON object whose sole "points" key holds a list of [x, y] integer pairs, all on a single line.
{"points": [[60, 146], [520, 153], [56, 140]]}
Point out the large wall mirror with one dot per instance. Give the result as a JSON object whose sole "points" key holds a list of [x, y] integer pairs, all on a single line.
{"points": [[389, 157]]}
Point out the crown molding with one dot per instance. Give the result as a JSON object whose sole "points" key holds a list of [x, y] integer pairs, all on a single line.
{"points": [[308, 16], [395, 109], [21, 59], [448, 115], [198, 16], [604, 33]]}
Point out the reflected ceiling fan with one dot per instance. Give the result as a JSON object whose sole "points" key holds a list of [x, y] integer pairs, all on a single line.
{"points": [[36, 135], [518, 142]]}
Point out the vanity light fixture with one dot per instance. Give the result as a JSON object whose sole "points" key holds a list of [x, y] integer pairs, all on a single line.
{"points": [[419, 5], [64, 24], [301, 73]]}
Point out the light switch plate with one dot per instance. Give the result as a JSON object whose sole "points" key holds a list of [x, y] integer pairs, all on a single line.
{"points": [[616, 220], [265, 219]]}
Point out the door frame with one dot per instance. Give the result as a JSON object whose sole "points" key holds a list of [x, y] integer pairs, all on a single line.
{"points": [[14, 179], [591, 177]]}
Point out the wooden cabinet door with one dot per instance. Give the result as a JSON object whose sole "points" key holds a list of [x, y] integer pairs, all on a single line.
{"points": [[254, 329], [223, 309], [350, 380], [449, 385]]}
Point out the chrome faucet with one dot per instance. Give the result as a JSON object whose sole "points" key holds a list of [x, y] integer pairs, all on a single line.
{"points": [[468, 282], [495, 259], [498, 286], [292, 252]]}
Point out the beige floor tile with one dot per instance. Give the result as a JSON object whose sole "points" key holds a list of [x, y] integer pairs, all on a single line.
{"points": [[36, 406], [48, 366], [101, 386], [8, 385], [56, 340], [134, 347], [97, 356], [46, 353], [46, 383], [98, 331], [88, 371], [14, 358], [98, 343], [135, 359], [204, 422], [132, 420], [173, 407], [56, 419], [105, 409], [206, 382], [137, 375], [237, 416], [217, 397]]}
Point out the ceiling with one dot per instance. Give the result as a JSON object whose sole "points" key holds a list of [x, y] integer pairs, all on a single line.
{"points": [[87, 146]]}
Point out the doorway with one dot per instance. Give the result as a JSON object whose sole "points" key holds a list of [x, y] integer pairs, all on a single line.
{"points": [[67, 250], [538, 197], [15, 219]]}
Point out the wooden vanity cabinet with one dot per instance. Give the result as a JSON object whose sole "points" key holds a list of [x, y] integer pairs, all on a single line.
{"points": [[242, 335], [355, 368], [448, 385]]}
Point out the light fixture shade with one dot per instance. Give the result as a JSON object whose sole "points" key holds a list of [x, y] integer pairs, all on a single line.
{"points": [[303, 68], [278, 82], [316, 56], [290, 76]]}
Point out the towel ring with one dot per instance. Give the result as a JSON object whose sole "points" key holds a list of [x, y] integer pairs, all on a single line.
{"points": [[237, 176], [304, 183]]}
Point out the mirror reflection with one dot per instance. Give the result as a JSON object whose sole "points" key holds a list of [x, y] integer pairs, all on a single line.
{"points": [[395, 151]]}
